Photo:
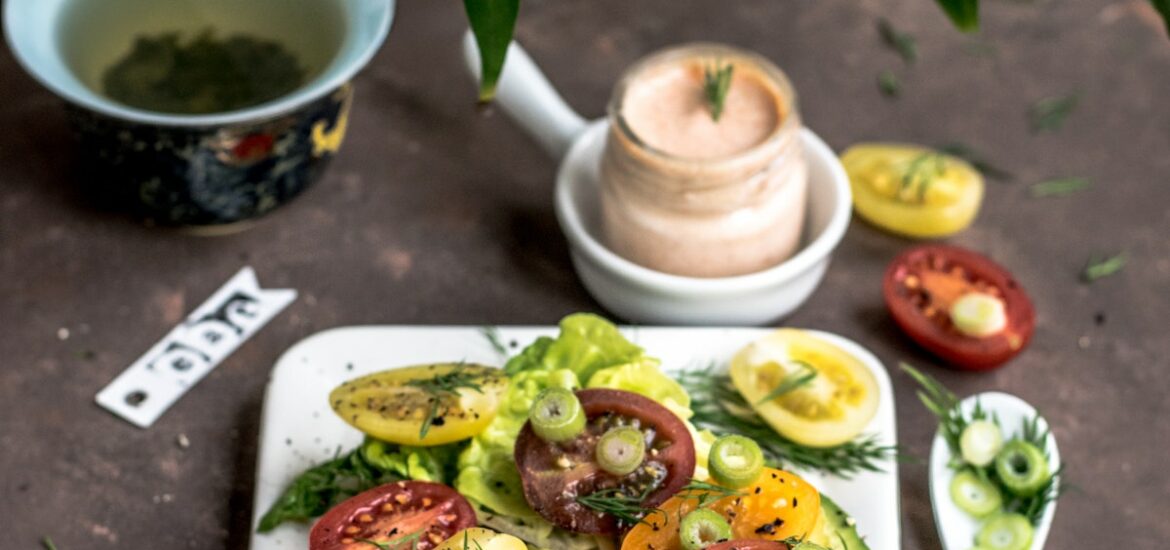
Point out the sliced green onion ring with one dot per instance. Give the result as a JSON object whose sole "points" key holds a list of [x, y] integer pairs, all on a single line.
{"points": [[980, 441], [735, 461], [975, 496], [621, 450], [1005, 532], [702, 528], [556, 415]]}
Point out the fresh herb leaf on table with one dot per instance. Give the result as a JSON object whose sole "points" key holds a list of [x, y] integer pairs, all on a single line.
{"points": [[719, 407], [963, 13], [47, 543], [1048, 114], [899, 41], [1098, 268], [1058, 187], [889, 84]]}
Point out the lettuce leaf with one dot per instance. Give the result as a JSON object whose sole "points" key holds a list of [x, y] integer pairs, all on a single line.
{"points": [[587, 344], [420, 463]]}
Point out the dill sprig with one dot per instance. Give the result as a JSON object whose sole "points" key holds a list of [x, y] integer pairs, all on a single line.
{"points": [[804, 374], [889, 83], [1058, 186], [444, 386], [719, 407], [1048, 114], [899, 41], [1098, 268], [627, 509], [716, 84], [396, 543], [492, 335], [706, 493], [47, 543], [922, 172]]}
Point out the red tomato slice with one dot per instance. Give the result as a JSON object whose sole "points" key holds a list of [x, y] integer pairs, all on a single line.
{"points": [[749, 545], [921, 284], [413, 512], [555, 475]]}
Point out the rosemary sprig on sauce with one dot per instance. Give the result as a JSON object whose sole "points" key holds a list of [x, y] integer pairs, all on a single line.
{"points": [[804, 374], [898, 41], [719, 407], [716, 84], [444, 386], [1049, 114], [625, 508], [1098, 268], [1058, 187]]}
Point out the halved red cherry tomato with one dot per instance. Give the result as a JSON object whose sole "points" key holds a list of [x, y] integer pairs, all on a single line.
{"points": [[411, 512], [922, 283], [749, 545], [554, 475]]}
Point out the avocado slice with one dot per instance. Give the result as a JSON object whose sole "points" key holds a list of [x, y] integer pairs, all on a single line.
{"points": [[839, 527]]}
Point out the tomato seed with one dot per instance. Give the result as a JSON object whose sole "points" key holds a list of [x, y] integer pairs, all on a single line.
{"points": [[352, 530], [402, 498], [365, 518], [388, 507], [426, 502]]}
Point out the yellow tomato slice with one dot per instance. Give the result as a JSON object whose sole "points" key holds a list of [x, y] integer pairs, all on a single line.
{"points": [[830, 409], [423, 405], [777, 506], [913, 190], [478, 538]]}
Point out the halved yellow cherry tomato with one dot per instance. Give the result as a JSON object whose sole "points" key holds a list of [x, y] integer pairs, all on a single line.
{"points": [[423, 405], [912, 190], [478, 538], [778, 505], [830, 409]]}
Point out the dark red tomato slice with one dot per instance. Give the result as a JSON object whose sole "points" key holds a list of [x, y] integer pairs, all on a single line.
{"points": [[921, 284], [749, 545], [394, 512], [555, 475]]}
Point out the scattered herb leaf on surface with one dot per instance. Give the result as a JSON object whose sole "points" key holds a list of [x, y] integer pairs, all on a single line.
{"points": [[1048, 114], [492, 334], [1163, 7], [889, 84], [1098, 268], [47, 543], [1058, 187], [963, 13], [803, 376], [899, 41]]}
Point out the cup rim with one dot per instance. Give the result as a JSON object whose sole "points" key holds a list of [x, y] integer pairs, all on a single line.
{"points": [[815, 251], [312, 91]]}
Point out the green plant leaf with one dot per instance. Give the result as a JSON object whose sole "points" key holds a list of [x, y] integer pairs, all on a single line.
{"points": [[963, 13], [493, 22], [1163, 7]]}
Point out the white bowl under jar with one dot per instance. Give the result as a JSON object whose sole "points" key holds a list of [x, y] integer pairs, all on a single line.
{"points": [[647, 296]]}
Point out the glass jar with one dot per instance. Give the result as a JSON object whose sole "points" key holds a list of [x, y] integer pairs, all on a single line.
{"points": [[682, 193]]}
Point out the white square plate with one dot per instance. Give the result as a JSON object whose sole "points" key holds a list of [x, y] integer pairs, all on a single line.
{"points": [[299, 429]]}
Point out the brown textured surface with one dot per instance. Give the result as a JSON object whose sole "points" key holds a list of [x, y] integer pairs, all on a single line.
{"points": [[434, 213]]}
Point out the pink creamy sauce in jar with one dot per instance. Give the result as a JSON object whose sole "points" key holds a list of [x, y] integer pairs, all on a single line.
{"points": [[684, 194]]}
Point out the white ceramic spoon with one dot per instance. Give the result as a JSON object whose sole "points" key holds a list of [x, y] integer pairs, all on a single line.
{"points": [[956, 528]]}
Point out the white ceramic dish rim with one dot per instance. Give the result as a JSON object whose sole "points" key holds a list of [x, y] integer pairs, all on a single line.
{"points": [[812, 253], [332, 78]]}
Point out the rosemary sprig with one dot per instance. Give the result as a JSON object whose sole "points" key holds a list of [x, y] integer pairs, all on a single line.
{"points": [[719, 407], [804, 374], [1049, 114], [1098, 268], [444, 386], [1058, 187], [901, 42], [716, 84], [889, 83], [394, 544], [626, 508], [940, 401], [920, 173], [492, 335], [976, 160]]}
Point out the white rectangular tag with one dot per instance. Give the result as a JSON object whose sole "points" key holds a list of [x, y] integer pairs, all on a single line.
{"points": [[145, 390]]}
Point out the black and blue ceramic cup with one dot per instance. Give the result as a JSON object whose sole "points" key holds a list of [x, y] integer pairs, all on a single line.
{"points": [[206, 171]]}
